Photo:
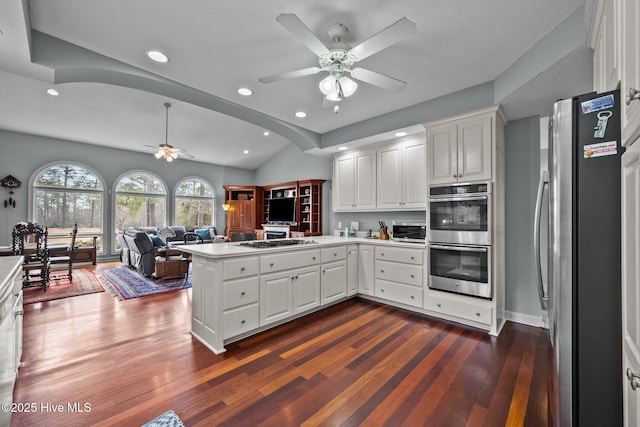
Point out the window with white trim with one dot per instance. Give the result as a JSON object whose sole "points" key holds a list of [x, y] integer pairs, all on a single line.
{"points": [[140, 201], [194, 203]]}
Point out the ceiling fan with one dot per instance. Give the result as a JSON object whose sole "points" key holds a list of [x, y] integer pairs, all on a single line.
{"points": [[166, 151], [338, 58]]}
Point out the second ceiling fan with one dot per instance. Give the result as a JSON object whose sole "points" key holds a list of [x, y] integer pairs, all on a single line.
{"points": [[338, 58]]}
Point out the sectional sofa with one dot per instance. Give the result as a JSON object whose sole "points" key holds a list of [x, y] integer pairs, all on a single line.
{"points": [[137, 244]]}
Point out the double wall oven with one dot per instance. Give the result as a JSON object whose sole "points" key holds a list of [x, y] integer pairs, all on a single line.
{"points": [[460, 230]]}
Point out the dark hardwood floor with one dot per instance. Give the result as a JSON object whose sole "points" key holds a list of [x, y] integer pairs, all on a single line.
{"points": [[356, 363]]}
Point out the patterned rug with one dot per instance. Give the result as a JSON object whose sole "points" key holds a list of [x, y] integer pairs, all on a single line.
{"points": [[168, 419], [84, 282], [126, 283]]}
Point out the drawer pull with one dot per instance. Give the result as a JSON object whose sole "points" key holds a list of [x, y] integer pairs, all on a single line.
{"points": [[439, 305], [242, 268], [381, 271], [335, 254], [243, 293], [271, 265], [313, 258], [381, 253], [243, 321], [478, 314], [412, 258], [381, 290], [412, 297], [412, 276]]}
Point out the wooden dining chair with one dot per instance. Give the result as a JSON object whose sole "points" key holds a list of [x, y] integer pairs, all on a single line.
{"points": [[64, 255], [30, 240]]}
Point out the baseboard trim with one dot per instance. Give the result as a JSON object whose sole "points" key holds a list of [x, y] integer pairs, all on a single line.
{"points": [[527, 319]]}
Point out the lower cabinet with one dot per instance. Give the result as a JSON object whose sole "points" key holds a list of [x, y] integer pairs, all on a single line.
{"points": [[289, 292], [398, 292], [240, 304], [460, 307], [334, 281], [352, 270], [399, 275], [365, 269]]}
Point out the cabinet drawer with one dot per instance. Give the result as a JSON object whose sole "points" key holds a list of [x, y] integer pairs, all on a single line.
{"points": [[476, 312], [240, 320], [409, 256], [333, 254], [241, 292], [409, 274], [289, 260], [242, 267], [398, 292]]}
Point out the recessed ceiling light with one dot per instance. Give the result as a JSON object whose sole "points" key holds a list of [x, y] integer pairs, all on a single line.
{"points": [[300, 114], [401, 134], [53, 92], [246, 151], [245, 91], [266, 133], [156, 55], [343, 148]]}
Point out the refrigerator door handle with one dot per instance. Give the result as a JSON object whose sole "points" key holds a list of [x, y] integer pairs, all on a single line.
{"points": [[544, 182]]}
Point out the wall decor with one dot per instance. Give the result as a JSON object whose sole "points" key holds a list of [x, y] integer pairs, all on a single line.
{"points": [[10, 182]]}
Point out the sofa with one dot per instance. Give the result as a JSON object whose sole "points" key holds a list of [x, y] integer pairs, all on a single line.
{"points": [[137, 244]]}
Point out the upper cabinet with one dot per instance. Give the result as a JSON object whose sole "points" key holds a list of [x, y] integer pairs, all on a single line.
{"points": [[630, 85], [603, 40], [615, 39], [402, 175], [354, 181], [462, 148]]}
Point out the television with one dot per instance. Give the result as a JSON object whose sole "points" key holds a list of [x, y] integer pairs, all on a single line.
{"points": [[282, 210]]}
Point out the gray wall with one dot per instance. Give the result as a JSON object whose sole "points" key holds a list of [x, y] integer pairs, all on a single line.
{"points": [[522, 164], [22, 154]]}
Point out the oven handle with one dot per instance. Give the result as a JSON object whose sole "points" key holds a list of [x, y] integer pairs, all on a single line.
{"points": [[458, 199], [461, 248], [544, 182]]}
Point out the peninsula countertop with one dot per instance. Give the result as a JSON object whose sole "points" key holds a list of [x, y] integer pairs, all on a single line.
{"points": [[234, 249]]}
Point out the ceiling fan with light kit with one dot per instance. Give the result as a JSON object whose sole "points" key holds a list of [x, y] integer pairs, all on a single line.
{"points": [[338, 58], [167, 151]]}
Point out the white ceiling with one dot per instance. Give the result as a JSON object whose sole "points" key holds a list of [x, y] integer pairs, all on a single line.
{"points": [[218, 46]]}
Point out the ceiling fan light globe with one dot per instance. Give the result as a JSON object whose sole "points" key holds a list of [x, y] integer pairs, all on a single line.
{"points": [[348, 86], [328, 85], [169, 159], [335, 97], [159, 154], [173, 155]]}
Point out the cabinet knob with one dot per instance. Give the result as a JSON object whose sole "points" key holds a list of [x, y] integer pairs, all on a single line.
{"points": [[381, 253], [242, 268], [478, 314], [381, 271], [412, 258], [381, 290], [18, 313], [412, 297], [412, 276], [631, 96], [439, 305], [335, 254], [243, 321], [243, 293], [633, 379], [271, 265]]}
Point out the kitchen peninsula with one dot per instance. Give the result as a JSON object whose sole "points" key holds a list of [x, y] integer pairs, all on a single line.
{"points": [[240, 290]]}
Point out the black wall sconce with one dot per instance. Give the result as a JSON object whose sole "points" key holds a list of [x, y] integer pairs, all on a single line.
{"points": [[10, 182]]}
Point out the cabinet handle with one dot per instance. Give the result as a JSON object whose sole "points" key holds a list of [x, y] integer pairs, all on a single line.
{"points": [[381, 290], [335, 254], [324, 271], [412, 297], [439, 305], [381, 253], [241, 268], [243, 293], [381, 271], [631, 96], [478, 314], [271, 265], [412, 258], [18, 313], [412, 276], [633, 379], [243, 321], [313, 258]]}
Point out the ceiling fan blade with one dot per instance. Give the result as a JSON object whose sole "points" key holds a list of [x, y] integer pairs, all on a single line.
{"points": [[296, 27], [151, 146], [290, 75], [395, 32], [378, 79]]}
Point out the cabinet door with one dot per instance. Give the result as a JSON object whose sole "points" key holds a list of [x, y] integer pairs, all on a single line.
{"points": [[365, 180], [276, 297], [415, 175], [306, 289], [474, 149], [334, 281], [352, 270], [248, 210], [443, 154], [631, 283], [343, 183], [234, 214], [606, 71], [366, 270], [389, 182], [630, 70]]}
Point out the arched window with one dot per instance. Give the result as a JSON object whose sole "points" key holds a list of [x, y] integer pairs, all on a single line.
{"points": [[194, 202], [65, 194], [140, 201]]}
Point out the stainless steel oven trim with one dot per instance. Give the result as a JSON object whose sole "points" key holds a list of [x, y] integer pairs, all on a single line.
{"points": [[465, 287], [463, 237]]}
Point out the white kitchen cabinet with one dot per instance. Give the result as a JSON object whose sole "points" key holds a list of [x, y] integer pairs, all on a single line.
{"points": [[352, 270], [605, 45], [468, 310], [333, 281], [402, 176], [631, 283], [462, 148], [287, 293], [366, 272], [399, 275], [630, 84], [354, 181]]}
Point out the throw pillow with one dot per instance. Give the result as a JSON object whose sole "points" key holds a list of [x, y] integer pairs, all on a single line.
{"points": [[203, 232], [157, 241]]}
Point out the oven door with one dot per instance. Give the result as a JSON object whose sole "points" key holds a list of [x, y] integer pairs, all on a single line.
{"points": [[460, 219], [461, 269]]}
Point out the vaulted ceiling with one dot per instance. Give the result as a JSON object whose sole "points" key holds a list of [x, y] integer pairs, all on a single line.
{"points": [[110, 93]]}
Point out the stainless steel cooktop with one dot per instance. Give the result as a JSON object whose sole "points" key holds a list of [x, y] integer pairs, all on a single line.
{"points": [[261, 244]]}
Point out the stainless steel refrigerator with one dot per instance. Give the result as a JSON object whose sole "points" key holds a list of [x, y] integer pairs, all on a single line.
{"points": [[582, 290]]}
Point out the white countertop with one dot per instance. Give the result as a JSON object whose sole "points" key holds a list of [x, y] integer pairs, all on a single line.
{"points": [[233, 249]]}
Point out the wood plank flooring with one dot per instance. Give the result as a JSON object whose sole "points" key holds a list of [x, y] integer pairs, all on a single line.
{"points": [[356, 363]]}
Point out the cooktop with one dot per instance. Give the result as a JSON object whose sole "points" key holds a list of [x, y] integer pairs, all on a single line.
{"points": [[261, 244]]}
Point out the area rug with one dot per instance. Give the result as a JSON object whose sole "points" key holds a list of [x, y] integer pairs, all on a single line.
{"points": [[84, 282], [126, 283], [168, 419]]}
